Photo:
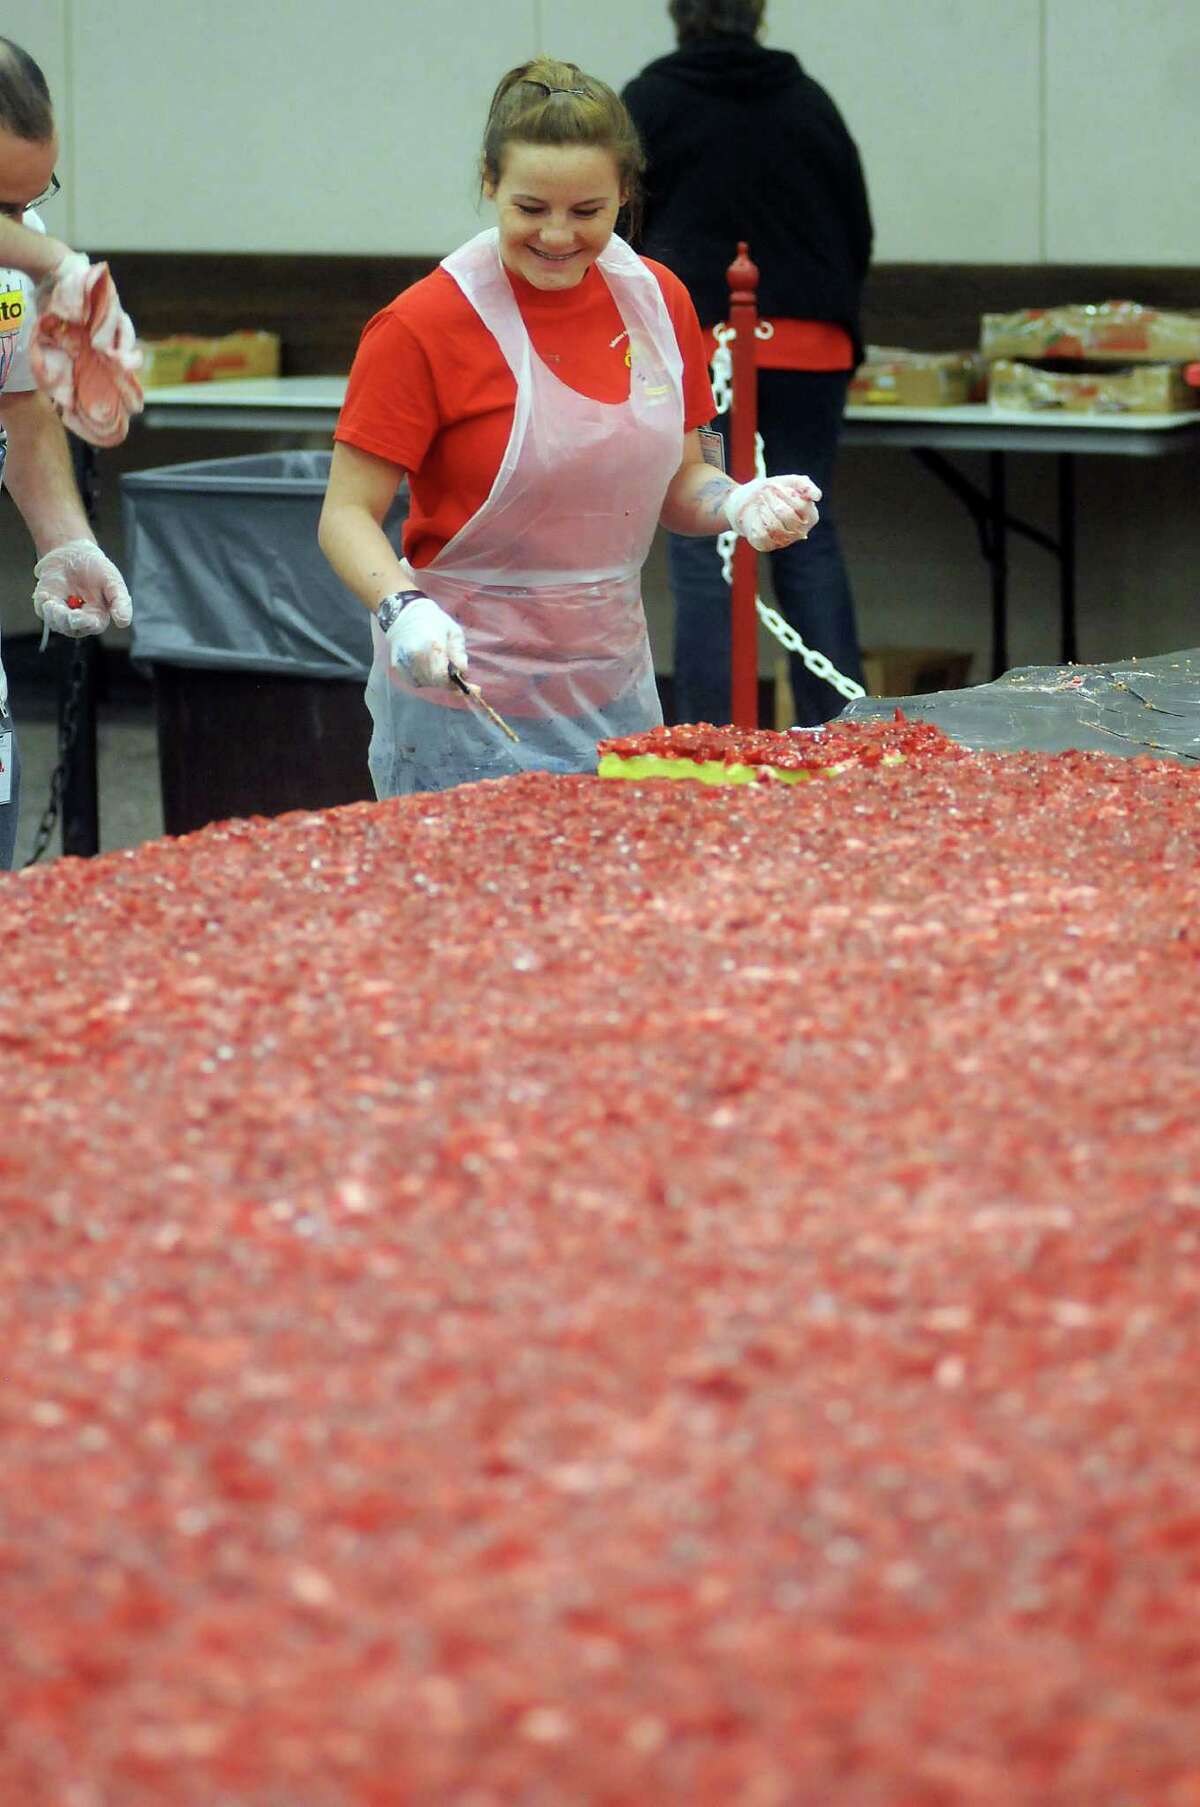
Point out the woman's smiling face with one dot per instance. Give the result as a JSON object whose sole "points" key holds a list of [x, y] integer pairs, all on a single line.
{"points": [[556, 206]]}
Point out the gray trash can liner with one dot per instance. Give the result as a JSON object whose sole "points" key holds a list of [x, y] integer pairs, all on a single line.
{"points": [[1131, 706], [225, 570]]}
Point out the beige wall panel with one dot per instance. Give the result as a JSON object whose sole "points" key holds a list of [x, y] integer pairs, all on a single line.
{"points": [[40, 27], [274, 127], [943, 100], [612, 41], [1123, 126], [278, 125]]}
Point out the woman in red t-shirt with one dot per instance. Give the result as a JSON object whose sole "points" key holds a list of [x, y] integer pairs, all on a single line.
{"points": [[543, 391]]}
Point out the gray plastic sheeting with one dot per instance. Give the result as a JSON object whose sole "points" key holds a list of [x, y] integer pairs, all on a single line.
{"points": [[225, 569], [1148, 706]]}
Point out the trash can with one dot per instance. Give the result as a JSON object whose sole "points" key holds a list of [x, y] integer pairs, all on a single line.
{"points": [[258, 654]]}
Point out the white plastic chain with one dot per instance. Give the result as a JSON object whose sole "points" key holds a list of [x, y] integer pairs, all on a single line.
{"points": [[784, 632]]}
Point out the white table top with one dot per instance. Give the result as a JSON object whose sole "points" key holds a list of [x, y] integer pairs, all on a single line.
{"points": [[978, 426], [975, 413], [253, 403], [311, 403]]}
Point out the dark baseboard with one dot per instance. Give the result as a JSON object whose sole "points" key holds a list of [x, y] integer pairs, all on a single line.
{"points": [[215, 293], [932, 307], [926, 306]]}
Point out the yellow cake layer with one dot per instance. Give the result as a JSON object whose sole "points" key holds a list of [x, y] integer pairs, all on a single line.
{"points": [[713, 771]]}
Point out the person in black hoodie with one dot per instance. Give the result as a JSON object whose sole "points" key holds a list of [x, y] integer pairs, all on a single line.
{"points": [[741, 144]]}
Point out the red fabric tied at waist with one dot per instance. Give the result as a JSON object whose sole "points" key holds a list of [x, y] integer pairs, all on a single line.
{"points": [[800, 345]]}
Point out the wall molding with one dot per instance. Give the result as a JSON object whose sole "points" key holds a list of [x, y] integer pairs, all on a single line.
{"points": [[319, 304]]}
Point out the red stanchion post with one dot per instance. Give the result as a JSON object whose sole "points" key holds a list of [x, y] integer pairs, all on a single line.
{"points": [[742, 277]]}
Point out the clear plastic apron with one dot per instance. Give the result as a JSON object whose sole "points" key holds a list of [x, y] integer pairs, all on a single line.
{"points": [[545, 579]]}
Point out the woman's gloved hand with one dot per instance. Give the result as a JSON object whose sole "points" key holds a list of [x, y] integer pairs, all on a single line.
{"points": [[423, 640], [772, 512], [79, 591]]}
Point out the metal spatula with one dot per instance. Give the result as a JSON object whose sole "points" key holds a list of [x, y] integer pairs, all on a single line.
{"points": [[476, 695]]}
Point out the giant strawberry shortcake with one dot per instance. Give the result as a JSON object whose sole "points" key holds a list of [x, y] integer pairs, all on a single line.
{"points": [[756, 756]]}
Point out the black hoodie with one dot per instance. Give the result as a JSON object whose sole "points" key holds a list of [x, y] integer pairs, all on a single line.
{"points": [[741, 144]]}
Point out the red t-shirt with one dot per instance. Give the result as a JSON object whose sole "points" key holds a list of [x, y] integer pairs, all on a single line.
{"points": [[430, 390]]}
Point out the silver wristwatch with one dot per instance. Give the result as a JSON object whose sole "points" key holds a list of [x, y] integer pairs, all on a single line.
{"points": [[393, 606]]}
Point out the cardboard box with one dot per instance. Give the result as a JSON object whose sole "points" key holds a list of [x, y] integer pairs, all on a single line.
{"points": [[1140, 389], [187, 358], [895, 378], [1121, 332], [913, 670]]}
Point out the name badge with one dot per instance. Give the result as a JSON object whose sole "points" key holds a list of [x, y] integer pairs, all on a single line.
{"points": [[6, 767], [712, 447]]}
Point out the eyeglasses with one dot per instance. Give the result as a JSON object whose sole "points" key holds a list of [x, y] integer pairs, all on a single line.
{"points": [[12, 210]]}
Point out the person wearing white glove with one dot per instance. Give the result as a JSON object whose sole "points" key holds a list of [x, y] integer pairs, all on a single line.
{"points": [[542, 394], [77, 589], [423, 641], [773, 512]]}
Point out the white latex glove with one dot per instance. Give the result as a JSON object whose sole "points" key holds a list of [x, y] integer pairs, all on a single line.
{"points": [[79, 573], [84, 351], [772, 512], [67, 286], [424, 641]]}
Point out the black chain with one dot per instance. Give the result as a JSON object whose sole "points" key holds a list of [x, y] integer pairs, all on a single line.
{"points": [[68, 731]]}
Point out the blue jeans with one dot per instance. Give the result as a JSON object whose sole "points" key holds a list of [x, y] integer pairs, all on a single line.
{"points": [[8, 811], [799, 417]]}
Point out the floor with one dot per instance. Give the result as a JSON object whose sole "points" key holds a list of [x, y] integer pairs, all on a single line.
{"points": [[127, 757], [130, 803]]}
